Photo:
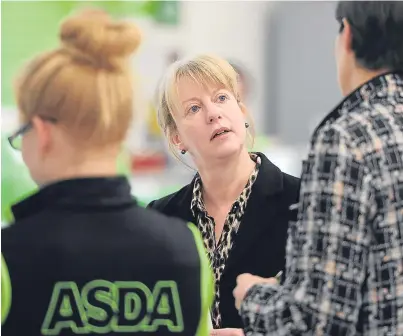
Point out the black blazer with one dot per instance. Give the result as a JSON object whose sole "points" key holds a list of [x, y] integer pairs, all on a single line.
{"points": [[259, 247]]}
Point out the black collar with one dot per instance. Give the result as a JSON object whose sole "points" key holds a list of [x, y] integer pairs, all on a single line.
{"points": [[269, 183], [80, 193], [366, 92], [269, 179]]}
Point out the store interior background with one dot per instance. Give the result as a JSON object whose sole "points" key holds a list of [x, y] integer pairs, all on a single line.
{"points": [[286, 49]]}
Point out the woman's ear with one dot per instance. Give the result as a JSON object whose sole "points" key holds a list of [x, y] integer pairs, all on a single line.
{"points": [[346, 36], [243, 108], [43, 133], [175, 139]]}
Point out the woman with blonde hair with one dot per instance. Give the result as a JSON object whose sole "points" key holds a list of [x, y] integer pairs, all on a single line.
{"points": [[238, 200], [82, 256]]}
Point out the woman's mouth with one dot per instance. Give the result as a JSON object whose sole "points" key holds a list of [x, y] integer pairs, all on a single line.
{"points": [[219, 132]]}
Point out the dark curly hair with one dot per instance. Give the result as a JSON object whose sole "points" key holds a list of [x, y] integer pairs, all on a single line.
{"points": [[377, 32]]}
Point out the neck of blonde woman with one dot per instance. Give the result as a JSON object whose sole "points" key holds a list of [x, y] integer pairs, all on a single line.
{"points": [[224, 181], [91, 164], [90, 170]]}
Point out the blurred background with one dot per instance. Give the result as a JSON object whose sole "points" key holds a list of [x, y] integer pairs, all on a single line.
{"points": [[283, 51]]}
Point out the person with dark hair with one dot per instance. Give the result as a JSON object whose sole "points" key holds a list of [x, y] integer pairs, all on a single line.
{"points": [[344, 272]]}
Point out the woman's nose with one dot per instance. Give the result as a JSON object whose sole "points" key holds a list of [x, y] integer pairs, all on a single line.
{"points": [[213, 113]]}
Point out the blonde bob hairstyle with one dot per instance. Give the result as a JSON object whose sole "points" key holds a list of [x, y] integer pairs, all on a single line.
{"points": [[205, 70]]}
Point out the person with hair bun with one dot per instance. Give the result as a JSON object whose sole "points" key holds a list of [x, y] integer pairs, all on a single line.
{"points": [[82, 257]]}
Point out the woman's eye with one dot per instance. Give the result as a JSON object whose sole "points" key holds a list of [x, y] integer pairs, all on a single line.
{"points": [[222, 98], [194, 109]]}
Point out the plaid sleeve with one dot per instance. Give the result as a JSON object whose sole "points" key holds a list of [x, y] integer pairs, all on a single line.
{"points": [[327, 248]]}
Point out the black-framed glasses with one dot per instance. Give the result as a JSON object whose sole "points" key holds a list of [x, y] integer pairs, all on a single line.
{"points": [[15, 139], [341, 23]]}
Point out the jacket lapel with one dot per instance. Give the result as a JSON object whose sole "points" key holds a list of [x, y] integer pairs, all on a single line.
{"points": [[261, 209], [182, 205]]}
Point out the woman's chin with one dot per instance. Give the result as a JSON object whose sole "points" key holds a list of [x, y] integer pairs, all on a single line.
{"points": [[226, 151]]}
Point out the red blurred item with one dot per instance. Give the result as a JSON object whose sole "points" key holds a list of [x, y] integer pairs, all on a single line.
{"points": [[148, 162]]}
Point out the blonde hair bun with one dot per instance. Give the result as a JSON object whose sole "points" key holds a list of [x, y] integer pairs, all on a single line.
{"points": [[91, 36]]}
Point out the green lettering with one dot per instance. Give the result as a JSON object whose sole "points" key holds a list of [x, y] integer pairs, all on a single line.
{"points": [[99, 300], [133, 301], [167, 308], [105, 307], [65, 310]]}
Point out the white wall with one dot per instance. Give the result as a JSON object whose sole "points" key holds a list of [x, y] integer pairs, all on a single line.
{"points": [[234, 30]]}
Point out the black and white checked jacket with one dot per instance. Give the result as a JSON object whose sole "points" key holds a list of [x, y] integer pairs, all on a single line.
{"points": [[345, 252]]}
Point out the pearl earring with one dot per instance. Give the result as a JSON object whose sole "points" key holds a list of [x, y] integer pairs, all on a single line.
{"points": [[246, 125], [183, 151]]}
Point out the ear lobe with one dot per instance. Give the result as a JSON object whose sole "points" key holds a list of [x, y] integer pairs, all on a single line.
{"points": [[176, 140], [347, 36], [43, 133], [243, 108]]}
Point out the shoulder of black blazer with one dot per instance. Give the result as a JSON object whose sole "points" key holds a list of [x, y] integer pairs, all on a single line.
{"points": [[271, 181]]}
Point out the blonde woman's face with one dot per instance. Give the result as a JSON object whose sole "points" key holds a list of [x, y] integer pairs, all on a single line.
{"points": [[210, 122]]}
